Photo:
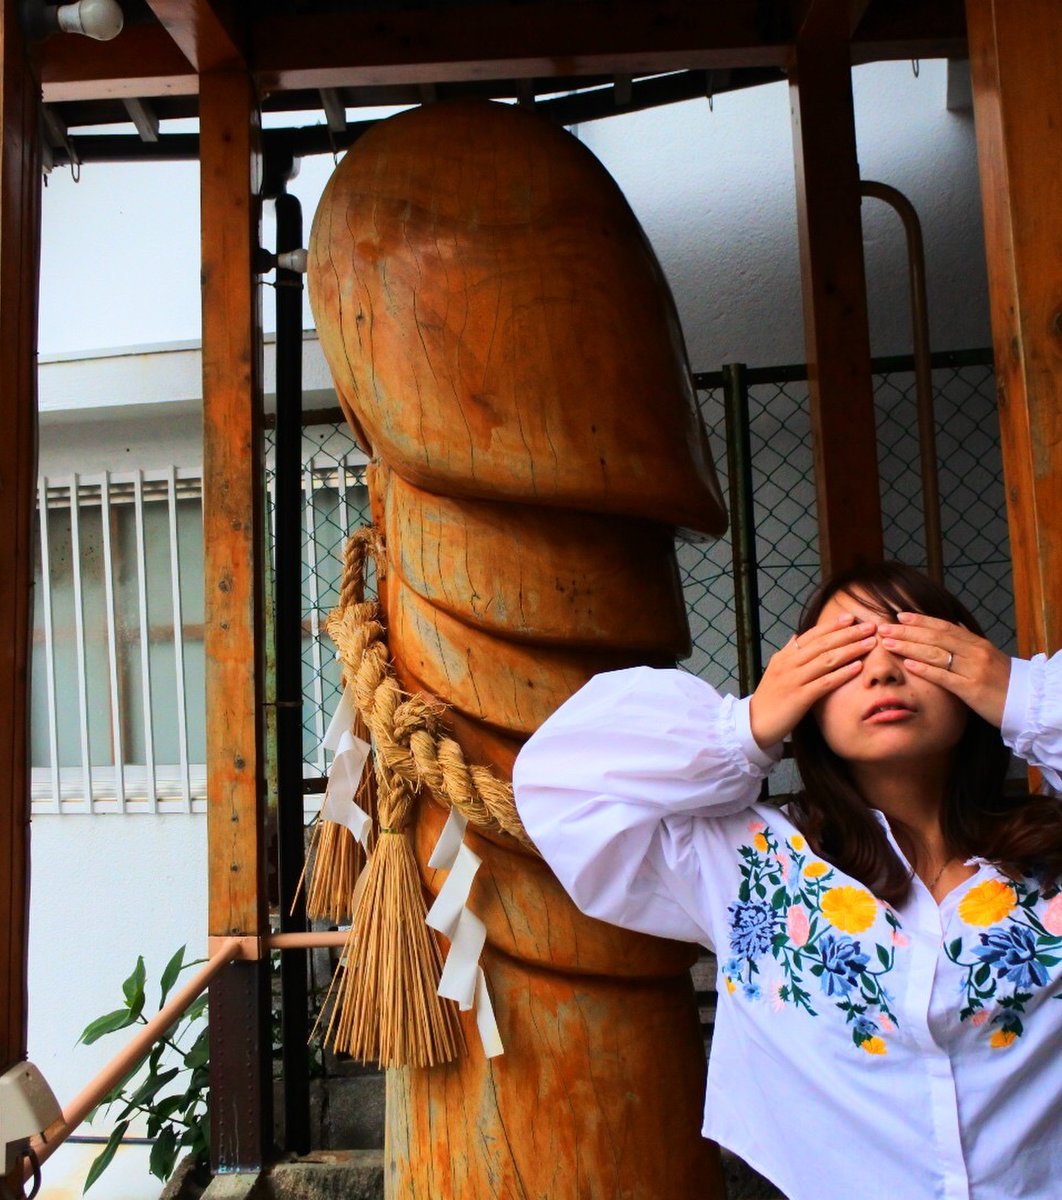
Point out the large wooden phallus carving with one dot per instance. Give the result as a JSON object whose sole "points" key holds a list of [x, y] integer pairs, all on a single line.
{"points": [[504, 344]]}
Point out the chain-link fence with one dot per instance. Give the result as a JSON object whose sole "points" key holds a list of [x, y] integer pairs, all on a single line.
{"points": [[976, 549], [973, 508]]}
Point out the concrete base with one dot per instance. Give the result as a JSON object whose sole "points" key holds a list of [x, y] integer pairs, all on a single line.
{"points": [[234, 1187], [327, 1175]]}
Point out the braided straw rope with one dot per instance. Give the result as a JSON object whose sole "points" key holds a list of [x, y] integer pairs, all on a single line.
{"points": [[409, 740]]}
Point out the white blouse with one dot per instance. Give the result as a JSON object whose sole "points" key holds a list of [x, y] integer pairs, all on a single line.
{"points": [[859, 1050]]}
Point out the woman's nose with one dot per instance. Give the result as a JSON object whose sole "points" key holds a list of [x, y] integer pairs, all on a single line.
{"points": [[881, 666]]}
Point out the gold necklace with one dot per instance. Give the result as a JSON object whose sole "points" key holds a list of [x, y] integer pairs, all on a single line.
{"points": [[937, 877]]}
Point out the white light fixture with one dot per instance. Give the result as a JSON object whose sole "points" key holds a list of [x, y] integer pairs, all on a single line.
{"points": [[27, 1107], [293, 260], [100, 20]]}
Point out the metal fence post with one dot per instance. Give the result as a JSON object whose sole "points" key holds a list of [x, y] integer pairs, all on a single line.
{"points": [[742, 525]]}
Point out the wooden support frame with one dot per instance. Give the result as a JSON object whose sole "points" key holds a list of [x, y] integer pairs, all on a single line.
{"points": [[20, 193], [430, 45], [232, 521], [834, 284], [205, 31], [1015, 50]]}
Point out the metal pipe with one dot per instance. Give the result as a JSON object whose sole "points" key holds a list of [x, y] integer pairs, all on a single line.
{"points": [[306, 941], [742, 526], [287, 632], [127, 1061], [927, 432]]}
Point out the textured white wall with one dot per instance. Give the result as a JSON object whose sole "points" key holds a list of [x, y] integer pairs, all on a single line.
{"points": [[103, 890]]}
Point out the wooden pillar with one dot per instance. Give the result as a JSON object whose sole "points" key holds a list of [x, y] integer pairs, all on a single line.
{"points": [[232, 530], [834, 285], [1015, 51], [20, 190]]}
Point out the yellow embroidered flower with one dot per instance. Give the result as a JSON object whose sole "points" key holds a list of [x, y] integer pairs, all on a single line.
{"points": [[797, 841], [849, 909], [988, 903], [1002, 1038], [814, 869], [874, 1045], [731, 986], [760, 842]]}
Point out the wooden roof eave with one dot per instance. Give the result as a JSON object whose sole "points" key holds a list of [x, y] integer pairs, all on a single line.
{"points": [[456, 43]]}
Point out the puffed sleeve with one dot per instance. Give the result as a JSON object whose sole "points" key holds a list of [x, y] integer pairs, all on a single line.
{"points": [[1032, 715], [619, 788]]}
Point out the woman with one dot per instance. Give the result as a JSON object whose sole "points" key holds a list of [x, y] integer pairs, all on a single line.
{"points": [[890, 945]]}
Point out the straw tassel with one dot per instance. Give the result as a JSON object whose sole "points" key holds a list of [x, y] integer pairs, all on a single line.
{"points": [[387, 1008], [336, 858]]}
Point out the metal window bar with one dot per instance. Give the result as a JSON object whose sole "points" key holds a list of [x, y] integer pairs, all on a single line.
{"points": [[112, 644], [79, 634], [178, 642], [145, 640], [49, 643]]}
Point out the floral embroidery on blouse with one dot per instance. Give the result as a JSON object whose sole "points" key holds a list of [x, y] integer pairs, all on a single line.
{"points": [[1011, 959], [788, 909]]}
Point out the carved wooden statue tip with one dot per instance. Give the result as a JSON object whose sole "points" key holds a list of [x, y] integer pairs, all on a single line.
{"points": [[498, 325]]}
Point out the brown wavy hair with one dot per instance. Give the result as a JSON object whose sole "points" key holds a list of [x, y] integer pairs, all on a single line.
{"points": [[1022, 835]]}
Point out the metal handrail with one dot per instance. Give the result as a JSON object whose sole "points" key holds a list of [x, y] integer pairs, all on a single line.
{"points": [[225, 951]]}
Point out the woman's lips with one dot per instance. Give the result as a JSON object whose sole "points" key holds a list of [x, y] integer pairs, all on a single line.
{"points": [[888, 716]]}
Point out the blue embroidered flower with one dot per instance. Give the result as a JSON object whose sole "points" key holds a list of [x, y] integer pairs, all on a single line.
{"points": [[732, 967], [752, 991], [1013, 953], [753, 923], [864, 1027], [842, 964]]}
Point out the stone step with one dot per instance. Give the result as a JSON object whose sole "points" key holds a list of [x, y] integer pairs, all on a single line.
{"points": [[359, 1175]]}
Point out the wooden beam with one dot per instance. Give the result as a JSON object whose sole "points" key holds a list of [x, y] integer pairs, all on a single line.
{"points": [[1015, 50], [232, 478], [233, 578], [834, 285], [806, 15], [206, 32], [143, 60], [486, 41], [899, 29], [20, 192]]}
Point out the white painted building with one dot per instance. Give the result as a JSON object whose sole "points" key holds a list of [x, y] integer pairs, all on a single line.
{"points": [[119, 861]]}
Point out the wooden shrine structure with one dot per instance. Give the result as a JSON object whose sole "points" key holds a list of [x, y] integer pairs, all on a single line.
{"points": [[226, 62]]}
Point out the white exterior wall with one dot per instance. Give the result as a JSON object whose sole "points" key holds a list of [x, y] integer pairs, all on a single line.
{"points": [[714, 190]]}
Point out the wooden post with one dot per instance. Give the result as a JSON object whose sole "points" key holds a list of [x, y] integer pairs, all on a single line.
{"points": [[834, 284], [1015, 50], [232, 525], [20, 189]]}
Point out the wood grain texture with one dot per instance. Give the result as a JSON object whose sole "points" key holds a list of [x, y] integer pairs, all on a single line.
{"points": [[836, 333], [232, 501], [499, 332], [552, 592], [1015, 51], [588, 1101], [20, 184], [507, 337], [207, 32]]}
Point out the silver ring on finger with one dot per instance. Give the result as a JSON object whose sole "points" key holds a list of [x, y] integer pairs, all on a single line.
{"points": [[951, 659]]}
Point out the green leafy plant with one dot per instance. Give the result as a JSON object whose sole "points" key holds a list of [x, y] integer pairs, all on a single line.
{"points": [[169, 1088]]}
